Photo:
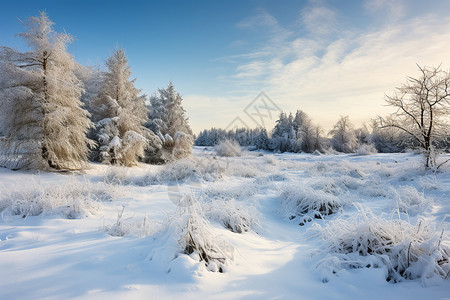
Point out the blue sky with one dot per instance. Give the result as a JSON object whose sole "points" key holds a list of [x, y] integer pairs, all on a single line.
{"points": [[328, 58]]}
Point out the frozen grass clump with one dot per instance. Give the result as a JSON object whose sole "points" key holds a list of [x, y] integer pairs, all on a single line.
{"points": [[348, 182], [405, 251], [248, 168], [117, 175], [73, 199], [411, 201], [271, 160], [298, 200], [328, 185], [207, 168], [375, 187], [228, 148], [135, 226], [197, 239], [230, 190], [233, 216], [428, 182], [271, 178], [366, 149]]}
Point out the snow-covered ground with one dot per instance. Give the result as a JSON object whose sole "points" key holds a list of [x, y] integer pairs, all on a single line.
{"points": [[118, 233]]}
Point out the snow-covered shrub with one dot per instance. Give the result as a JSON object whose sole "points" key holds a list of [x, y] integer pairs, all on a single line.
{"points": [[73, 199], [298, 200], [366, 149], [233, 216], [198, 241], [410, 200], [182, 145], [405, 251], [228, 148]]}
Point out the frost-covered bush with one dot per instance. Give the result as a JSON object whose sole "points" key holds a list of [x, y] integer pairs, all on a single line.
{"points": [[233, 216], [197, 239], [405, 251], [73, 199], [410, 200], [298, 200], [228, 148], [366, 149]]}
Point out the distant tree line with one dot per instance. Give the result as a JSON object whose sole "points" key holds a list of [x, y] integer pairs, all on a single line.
{"points": [[57, 114], [297, 133]]}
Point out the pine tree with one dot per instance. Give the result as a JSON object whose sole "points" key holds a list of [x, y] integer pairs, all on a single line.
{"points": [[167, 119], [120, 113], [42, 117]]}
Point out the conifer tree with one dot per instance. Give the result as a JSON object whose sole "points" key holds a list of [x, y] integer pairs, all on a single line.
{"points": [[168, 120], [120, 113]]}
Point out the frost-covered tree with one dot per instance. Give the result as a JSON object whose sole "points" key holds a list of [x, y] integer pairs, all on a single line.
{"points": [[308, 134], [422, 111], [120, 113], [42, 117], [343, 136], [261, 140], [168, 120]]}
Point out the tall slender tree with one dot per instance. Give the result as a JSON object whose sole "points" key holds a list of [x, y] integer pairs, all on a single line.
{"points": [[42, 117]]}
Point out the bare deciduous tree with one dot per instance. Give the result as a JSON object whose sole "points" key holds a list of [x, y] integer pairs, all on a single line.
{"points": [[422, 110]]}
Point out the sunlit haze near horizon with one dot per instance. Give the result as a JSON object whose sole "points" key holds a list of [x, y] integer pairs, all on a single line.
{"points": [[328, 58]]}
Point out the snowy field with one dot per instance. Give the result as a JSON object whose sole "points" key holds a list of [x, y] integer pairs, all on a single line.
{"points": [[280, 226]]}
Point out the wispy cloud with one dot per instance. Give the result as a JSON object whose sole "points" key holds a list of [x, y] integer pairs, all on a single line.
{"points": [[319, 20], [391, 10]]}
